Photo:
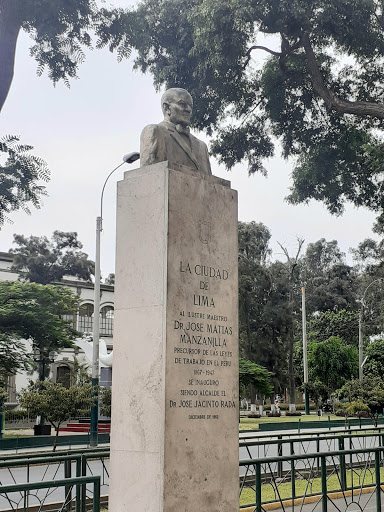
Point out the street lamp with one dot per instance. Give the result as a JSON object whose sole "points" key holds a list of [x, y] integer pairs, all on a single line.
{"points": [[361, 362], [305, 352], [127, 159]]}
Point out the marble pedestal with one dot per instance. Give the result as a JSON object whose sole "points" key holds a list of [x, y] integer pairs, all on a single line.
{"points": [[174, 444]]}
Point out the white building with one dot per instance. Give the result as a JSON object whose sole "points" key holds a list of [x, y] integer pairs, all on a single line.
{"points": [[61, 366]]}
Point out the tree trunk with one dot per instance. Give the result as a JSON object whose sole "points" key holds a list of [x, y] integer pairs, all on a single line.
{"points": [[10, 25]]}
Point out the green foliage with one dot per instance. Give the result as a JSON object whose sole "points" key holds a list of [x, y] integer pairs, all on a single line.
{"points": [[374, 366], [105, 401], [13, 357], [369, 391], [55, 402], [318, 392], [254, 375], [330, 283], [263, 311], [21, 175], [355, 408], [342, 324], [61, 30], [44, 261], [320, 94], [332, 362], [34, 312]]}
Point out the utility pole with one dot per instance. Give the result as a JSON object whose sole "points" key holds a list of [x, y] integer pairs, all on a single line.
{"points": [[305, 352]]}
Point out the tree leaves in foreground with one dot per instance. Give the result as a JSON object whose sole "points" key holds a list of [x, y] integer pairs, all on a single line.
{"points": [[44, 261], [316, 86], [21, 177], [56, 403], [61, 30]]}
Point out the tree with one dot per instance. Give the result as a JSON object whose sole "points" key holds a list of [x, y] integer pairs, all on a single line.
{"points": [[60, 31], [330, 283], [20, 177], [374, 365], [44, 261], [332, 362], [369, 391], [342, 324], [105, 399], [262, 303], [56, 403], [318, 93], [35, 312], [252, 374]]}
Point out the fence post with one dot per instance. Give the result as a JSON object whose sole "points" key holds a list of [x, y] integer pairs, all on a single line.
{"points": [[293, 487], [78, 487], [378, 483], [343, 474], [68, 488], [258, 486], [280, 453], [317, 451], [84, 486], [324, 502], [96, 496]]}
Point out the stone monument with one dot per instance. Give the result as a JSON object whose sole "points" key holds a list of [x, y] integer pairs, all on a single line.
{"points": [[174, 442]]}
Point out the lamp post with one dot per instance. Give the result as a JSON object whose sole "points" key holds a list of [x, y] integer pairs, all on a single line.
{"points": [[305, 354], [127, 159], [361, 362]]}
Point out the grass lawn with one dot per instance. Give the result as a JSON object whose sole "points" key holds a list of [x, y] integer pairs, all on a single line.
{"points": [[305, 487], [253, 423]]}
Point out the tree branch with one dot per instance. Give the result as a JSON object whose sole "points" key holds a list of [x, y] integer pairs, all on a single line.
{"points": [[264, 48], [358, 108]]}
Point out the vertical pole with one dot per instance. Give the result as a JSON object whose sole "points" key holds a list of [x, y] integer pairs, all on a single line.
{"points": [[280, 454], [96, 334], [68, 488], [305, 352], [378, 486], [343, 473], [324, 502], [361, 343], [96, 496], [258, 486]]}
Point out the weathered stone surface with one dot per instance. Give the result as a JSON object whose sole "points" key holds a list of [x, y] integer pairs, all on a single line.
{"points": [[174, 443]]}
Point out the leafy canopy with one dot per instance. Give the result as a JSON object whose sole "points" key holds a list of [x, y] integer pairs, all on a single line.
{"points": [[255, 375], [35, 312], [306, 73], [21, 174], [44, 261]]}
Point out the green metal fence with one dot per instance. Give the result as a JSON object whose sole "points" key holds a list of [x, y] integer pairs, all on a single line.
{"points": [[20, 496], [335, 480]]}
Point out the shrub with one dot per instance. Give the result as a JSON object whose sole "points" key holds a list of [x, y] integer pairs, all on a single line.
{"points": [[296, 413]]}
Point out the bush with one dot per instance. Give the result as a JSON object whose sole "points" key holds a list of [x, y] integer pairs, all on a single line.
{"points": [[274, 414], [296, 413], [253, 415]]}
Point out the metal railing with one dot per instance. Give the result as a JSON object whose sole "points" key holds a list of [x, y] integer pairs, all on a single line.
{"points": [[20, 497], [337, 478], [43, 472]]}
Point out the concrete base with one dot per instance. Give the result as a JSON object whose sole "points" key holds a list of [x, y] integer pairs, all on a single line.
{"points": [[174, 443]]}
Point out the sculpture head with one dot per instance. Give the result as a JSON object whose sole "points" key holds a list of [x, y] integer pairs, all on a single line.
{"points": [[177, 106]]}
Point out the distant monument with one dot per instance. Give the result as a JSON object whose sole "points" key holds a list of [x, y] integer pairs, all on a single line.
{"points": [[174, 442], [171, 139]]}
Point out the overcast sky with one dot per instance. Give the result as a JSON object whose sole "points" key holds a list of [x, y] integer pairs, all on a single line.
{"points": [[83, 133]]}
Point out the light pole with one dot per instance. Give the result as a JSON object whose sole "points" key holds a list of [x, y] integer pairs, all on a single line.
{"points": [[361, 363], [305, 354], [127, 159]]}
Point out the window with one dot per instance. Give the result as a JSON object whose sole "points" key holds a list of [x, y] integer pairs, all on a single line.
{"points": [[85, 318], [106, 320]]}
